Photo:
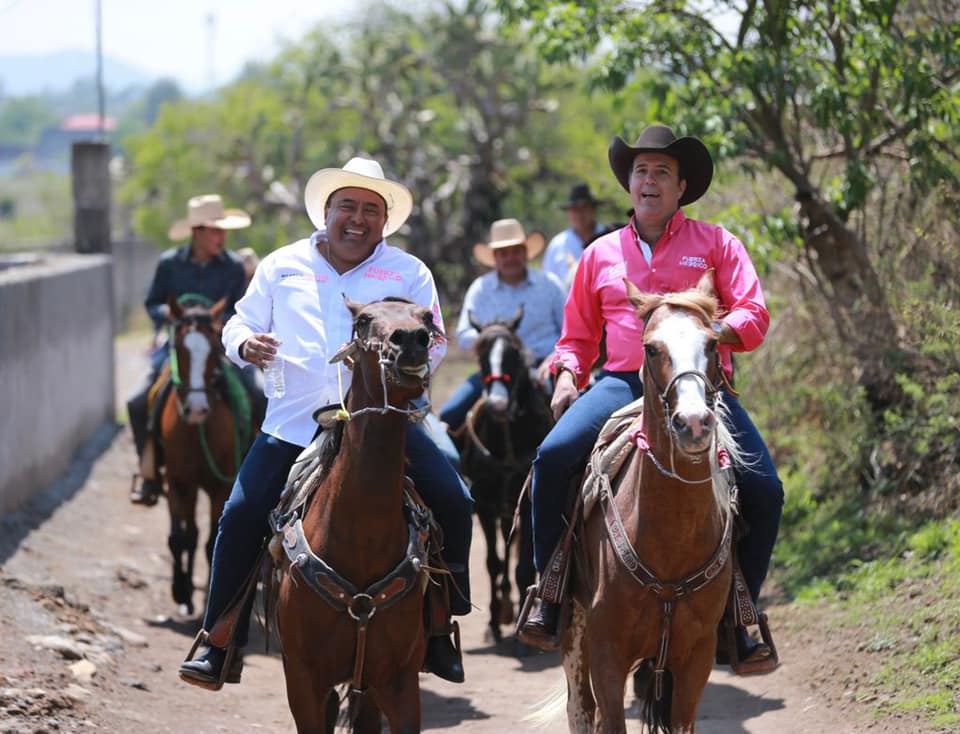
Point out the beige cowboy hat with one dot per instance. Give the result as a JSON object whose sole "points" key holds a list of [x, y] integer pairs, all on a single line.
{"points": [[207, 211], [507, 233], [361, 173]]}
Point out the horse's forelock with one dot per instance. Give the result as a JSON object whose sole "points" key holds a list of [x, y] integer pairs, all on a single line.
{"points": [[701, 304]]}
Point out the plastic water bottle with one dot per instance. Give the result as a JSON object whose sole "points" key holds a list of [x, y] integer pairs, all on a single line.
{"points": [[273, 383]]}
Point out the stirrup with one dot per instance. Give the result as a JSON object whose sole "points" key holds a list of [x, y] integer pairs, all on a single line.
{"points": [[769, 661], [203, 638]]}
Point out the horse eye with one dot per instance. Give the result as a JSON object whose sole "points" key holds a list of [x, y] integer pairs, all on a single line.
{"points": [[363, 321], [652, 351]]}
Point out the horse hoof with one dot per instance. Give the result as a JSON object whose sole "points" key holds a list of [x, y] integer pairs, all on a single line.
{"points": [[495, 634], [506, 614]]}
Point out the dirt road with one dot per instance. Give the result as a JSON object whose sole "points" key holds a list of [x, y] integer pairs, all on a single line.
{"points": [[89, 642]]}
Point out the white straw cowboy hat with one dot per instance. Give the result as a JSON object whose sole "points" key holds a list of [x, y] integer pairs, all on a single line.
{"points": [[360, 173], [207, 211], [507, 233]]}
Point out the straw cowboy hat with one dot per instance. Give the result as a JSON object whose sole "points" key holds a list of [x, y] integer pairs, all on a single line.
{"points": [[207, 211], [507, 233], [696, 165], [360, 173]]}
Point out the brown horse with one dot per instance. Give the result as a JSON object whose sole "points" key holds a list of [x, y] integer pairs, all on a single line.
{"points": [[199, 434], [344, 609], [654, 567], [502, 433]]}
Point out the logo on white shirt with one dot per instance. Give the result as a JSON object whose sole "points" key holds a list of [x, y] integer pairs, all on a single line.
{"points": [[382, 274], [694, 261]]}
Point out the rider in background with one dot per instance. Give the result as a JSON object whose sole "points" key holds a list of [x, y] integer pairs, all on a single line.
{"points": [[295, 306], [661, 251], [566, 248], [497, 295], [203, 267]]}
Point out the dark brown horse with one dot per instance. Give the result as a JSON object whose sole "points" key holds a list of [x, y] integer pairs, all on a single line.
{"points": [[201, 437], [501, 435], [654, 570], [350, 609]]}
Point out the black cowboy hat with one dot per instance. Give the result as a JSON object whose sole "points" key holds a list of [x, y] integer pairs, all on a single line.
{"points": [[696, 165], [580, 194]]}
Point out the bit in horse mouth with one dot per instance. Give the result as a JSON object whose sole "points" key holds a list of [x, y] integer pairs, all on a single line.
{"points": [[419, 371]]}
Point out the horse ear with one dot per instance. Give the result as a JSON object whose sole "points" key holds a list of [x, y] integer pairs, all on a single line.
{"points": [[643, 302], [175, 309], [473, 321], [344, 352], [217, 309], [705, 284], [514, 323], [354, 306]]}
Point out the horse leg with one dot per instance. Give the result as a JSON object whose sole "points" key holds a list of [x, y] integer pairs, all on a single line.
{"points": [[609, 676], [581, 707], [311, 712], [364, 715], [488, 521], [688, 687], [506, 603], [400, 702], [182, 541]]}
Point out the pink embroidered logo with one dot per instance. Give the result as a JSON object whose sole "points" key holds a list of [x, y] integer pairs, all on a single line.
{"points": [[694, 261], [381, 274]]}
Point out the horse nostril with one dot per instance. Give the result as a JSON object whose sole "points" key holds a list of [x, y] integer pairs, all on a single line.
{"points": [[708, 422], [423, 338], [679, 424], [396, 337]]}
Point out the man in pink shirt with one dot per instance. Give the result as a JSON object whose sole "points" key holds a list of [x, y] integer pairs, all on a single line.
{"points": [[661, 251]]}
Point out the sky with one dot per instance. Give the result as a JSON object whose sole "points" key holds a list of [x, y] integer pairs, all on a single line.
{"points": [[167, 37]]}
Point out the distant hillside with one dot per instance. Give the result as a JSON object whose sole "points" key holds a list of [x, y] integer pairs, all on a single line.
{"points": [[56, 72]]}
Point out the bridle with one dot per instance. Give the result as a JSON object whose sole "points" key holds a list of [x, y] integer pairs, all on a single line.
{"points": [[193, 322], [711, 390], [387, 355]]}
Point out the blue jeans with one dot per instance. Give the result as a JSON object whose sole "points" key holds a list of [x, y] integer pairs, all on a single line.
{"points": [[454, 411], [243, 525], [565, 449]]}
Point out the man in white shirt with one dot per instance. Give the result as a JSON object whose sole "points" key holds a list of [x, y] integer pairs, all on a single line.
{"points": [[565, 249], [294, 305]]}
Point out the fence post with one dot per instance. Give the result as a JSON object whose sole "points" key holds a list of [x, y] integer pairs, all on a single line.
{"points": [[90, 173]]}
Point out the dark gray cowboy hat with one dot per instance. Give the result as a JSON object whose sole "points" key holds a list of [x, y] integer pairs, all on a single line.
{"points": [[580, 194], [696, 165]]}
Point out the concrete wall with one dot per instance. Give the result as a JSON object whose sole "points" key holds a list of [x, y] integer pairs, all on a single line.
{"points": [[56, 367], [134, 262]]}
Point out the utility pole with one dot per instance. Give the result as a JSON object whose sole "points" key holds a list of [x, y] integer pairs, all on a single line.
{"points": [[101, 104], [211, 56]]}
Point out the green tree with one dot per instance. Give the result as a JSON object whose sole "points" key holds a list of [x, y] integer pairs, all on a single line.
{"points": [[845, 100], [23, 119]]}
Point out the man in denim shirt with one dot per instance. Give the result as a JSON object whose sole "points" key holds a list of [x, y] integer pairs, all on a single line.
{"points": [[498, 295], [203, 267]]}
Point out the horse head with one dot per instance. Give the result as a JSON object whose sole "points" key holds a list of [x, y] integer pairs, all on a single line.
{"points": [[390, 349], [681, 363], [195, 351], [503, 364]]}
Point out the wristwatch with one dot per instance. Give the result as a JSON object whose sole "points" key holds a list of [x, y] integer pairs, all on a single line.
{"points": [[717, 327]]}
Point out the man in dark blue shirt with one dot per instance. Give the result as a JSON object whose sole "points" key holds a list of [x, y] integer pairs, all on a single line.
{"points": [[203, 268]]}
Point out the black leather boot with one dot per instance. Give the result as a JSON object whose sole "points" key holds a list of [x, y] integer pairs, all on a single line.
{"points": [[540, 629], [205, 670], [147, 493], [443, 659]]}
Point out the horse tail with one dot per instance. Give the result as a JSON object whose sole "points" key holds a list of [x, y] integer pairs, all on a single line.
{"points": [[549, 709], [654, 712]]}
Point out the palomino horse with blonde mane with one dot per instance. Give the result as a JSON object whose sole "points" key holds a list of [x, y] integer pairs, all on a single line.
{"points": [[202, 435], [653, 568], [351, 606]]}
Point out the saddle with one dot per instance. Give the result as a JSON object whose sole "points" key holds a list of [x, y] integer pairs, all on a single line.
{"points": [[615, 445]]}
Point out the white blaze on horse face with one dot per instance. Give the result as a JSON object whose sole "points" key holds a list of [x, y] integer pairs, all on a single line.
{"points": [[685, 342], [196, 405], [498, 397]]}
